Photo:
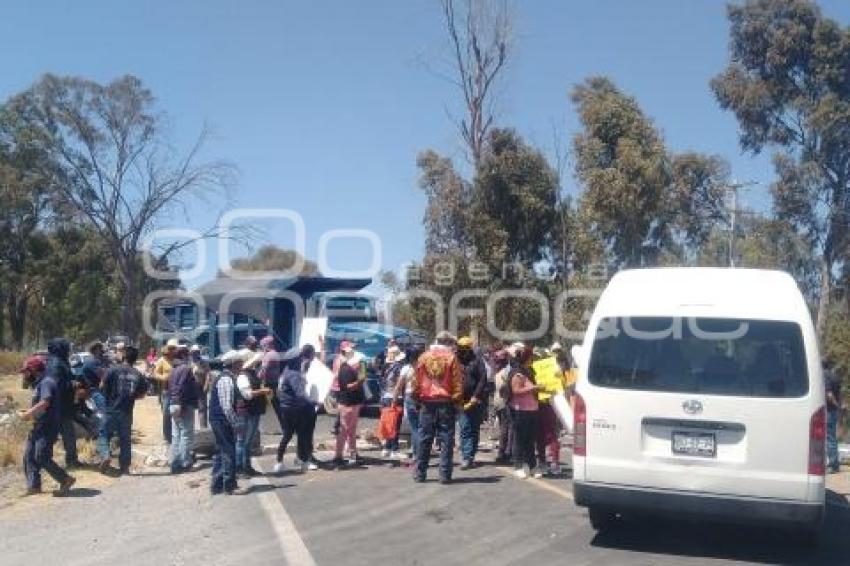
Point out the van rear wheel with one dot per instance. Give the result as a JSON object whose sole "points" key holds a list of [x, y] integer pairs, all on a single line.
{"points": [[601, 518]]}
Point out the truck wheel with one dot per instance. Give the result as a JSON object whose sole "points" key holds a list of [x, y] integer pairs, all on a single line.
{"points": [[601, 519]]}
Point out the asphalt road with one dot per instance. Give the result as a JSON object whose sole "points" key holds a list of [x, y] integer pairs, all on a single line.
{"points": [[375, 514]]}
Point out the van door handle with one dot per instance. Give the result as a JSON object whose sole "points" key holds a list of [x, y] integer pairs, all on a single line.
{"points": [[692, 423]]}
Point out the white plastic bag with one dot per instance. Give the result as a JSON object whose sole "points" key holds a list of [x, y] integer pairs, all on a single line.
{"points": [[564, 411]]}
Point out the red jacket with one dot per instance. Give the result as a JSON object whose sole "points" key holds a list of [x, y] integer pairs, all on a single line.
{"points": [[438, 377]]}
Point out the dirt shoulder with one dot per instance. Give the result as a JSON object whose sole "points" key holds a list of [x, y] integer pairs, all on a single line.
{"points": [[147, 439]]}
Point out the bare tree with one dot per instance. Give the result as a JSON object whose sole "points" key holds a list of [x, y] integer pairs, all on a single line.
{"points": [[117, 171], [480, 40]]}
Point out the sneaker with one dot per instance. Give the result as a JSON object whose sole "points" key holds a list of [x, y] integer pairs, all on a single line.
{"points": [[555, 469], [279, 468], [385, 453], [465, 465], [311, 466], [538, 472], [66, 485], [352, 461], [395, 455], [445, 481], [33, 491], [520, 473]]}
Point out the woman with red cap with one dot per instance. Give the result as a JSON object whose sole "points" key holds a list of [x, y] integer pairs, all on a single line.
{"points": [[350, 378]]}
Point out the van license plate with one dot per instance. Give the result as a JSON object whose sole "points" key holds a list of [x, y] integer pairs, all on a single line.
{"points": [[702, 444]]}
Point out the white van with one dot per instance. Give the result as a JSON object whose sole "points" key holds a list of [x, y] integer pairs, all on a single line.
{"points": [[700, 393]]}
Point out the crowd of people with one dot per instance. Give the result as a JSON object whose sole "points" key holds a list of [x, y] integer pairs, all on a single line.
{"points": [[449, 388]]}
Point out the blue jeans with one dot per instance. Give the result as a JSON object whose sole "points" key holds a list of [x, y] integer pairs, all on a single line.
{"points": [[244, 440], [412, 413], [38, 455], [436, 419], [470, 429], [115, 422], [182, 438], [224, 460], [832, 439]]}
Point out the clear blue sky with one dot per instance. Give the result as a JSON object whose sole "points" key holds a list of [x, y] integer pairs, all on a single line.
{"points": [[323, 106]]}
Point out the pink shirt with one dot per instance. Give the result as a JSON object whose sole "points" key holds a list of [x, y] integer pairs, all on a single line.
{"points": [[522, 400]]}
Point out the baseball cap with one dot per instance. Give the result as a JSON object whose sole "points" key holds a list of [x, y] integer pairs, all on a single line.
{"points": [[446, 336], [172, 343], [464, 342], [230, 357], [33, 364]]}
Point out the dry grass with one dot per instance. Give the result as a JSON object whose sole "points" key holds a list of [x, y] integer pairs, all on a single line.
{"points": [[11, 362], [13, 432], [12, 440]]}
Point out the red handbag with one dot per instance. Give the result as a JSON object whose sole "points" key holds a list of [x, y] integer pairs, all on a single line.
{"points": [[389, 423]]}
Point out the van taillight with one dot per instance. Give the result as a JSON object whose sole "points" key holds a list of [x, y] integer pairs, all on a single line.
{"points": [[817, 443], [580, 427]]}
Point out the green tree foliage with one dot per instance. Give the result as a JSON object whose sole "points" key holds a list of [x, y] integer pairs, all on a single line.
{"points": [[640, 199], [621, 162], [273, 258], [512, 211], [486, 235], [788, 84], [116, 170], [26, 189]]}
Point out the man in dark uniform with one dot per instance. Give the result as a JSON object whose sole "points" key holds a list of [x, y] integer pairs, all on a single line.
{"points": [[44, 412], [59, 369]]}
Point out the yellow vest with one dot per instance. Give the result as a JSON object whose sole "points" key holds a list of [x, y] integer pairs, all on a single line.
{"points": [[549, 378]]}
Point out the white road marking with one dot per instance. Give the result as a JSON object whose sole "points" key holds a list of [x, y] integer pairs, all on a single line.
{"points": [[291, 544], [542, 484]]}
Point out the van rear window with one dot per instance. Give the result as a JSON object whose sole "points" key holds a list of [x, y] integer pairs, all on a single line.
{"points": [[749, 358]]}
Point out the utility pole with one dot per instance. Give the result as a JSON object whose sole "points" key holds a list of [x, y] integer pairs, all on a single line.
{"points": [[733, 215]]}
